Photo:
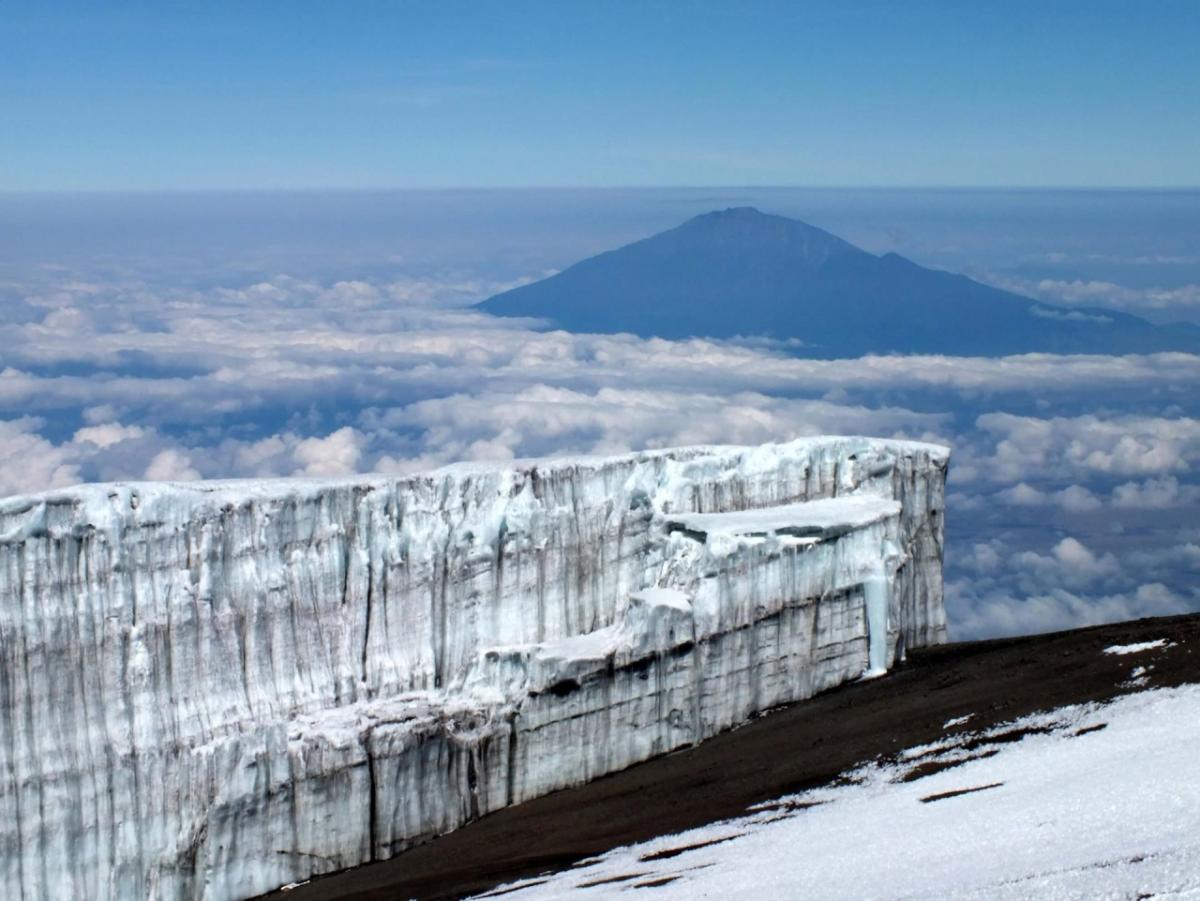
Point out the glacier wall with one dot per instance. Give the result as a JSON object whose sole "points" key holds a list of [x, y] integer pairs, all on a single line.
{"points": [[209, 690]]}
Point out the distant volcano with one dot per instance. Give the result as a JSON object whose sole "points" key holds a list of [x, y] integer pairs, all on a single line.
{"points": [[742, 272]]}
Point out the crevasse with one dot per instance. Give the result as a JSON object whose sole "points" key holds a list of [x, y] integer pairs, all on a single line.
{"points": [[209, 690]]}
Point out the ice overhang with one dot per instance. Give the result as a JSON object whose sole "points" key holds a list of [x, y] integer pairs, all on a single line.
{"points": [[816, 520]]}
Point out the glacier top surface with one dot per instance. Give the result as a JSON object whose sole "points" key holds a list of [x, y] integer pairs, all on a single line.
{"points": [[232, 490]]}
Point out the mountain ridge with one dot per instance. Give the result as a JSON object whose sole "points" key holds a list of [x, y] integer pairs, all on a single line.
{"points": [[740, 271]]}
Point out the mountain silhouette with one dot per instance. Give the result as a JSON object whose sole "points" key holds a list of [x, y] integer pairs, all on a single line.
{"points": [[740, 272]]}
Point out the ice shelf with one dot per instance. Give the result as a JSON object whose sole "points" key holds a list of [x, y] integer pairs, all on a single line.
{"points": [[818, 519], [209, 690]]}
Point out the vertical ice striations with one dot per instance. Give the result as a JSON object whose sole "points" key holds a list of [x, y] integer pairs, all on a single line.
{"points": [[209, 690]]}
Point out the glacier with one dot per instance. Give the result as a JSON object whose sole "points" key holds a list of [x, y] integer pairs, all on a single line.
{"points": [[213, 689]]}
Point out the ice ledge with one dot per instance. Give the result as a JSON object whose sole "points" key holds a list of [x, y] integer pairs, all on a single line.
{"points": [[652, 622], [819, 519]]}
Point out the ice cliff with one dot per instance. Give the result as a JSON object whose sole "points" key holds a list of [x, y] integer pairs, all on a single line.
{"points": [[209, 690]]}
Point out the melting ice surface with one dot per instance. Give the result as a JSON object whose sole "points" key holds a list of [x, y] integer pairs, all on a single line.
{"points": [[214, 689], [1055, 815]]}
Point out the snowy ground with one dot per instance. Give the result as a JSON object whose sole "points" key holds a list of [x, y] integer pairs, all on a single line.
{"points": [[1092, 801]]}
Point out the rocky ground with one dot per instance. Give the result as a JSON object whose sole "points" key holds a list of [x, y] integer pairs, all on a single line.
{"points": [[788, 750]]}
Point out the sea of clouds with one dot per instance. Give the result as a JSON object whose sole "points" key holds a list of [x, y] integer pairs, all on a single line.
{"points": [[1074, 486]]}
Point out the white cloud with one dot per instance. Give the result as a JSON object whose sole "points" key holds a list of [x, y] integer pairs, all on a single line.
{"points": [[1072, 499], [69, 320], [1002, 613], [254, 344], [1181, 299], [171, 465], [982, 557], [1155, 494], [1165, 559], [265, 457], [29, 463], [337, 454], [1069, 564], [1108, 293], [1077, 499], [1064, 447], [242, 382], [1146, 259], [542, 419], [992, 589], [1023, 495], [109, 433], [1071, 315]]}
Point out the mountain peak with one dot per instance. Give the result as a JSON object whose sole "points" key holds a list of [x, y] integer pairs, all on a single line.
{"points": [[746, 216], [735, 212], [740, 271], [746, 229]]}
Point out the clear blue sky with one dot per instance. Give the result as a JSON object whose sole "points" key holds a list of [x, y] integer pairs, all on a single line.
{"points": [[294, 94]]}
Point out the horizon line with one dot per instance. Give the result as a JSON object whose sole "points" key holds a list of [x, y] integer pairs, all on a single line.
{"points": [[362, 189]]}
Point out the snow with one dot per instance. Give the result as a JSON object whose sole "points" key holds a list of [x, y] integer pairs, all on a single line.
{"points": [[1138, 677], [1054, 815], [320, 673], [664, 597], [1121, 650]]}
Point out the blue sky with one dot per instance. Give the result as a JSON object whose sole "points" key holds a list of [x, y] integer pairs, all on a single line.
{"points": [[166, 96]]}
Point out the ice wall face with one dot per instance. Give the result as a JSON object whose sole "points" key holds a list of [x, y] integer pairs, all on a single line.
{"points": [[209, 690]]}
